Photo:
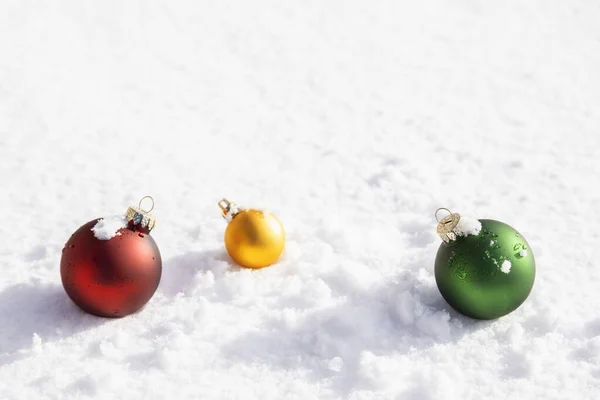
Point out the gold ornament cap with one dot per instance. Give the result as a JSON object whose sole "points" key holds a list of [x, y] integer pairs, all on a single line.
{"points": [[447, 226], [228, 209], [139, 218]]}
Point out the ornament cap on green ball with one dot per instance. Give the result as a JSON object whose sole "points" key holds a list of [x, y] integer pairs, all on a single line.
{"points": [[447, 226], [484, 268]]}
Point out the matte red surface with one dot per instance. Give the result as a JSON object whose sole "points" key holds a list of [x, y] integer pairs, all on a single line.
{"points": [[110, 278]]}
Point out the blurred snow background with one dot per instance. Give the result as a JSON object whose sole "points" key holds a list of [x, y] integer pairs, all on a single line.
{"points": [[352, 121]]}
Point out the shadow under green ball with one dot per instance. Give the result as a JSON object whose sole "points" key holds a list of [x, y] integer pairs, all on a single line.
{"points": [[474, 277]]}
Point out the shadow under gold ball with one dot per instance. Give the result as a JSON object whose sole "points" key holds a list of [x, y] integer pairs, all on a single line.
{"points": [[253, 238]]}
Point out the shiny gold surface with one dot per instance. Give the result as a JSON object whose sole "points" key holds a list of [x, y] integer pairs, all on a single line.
{"points": [[254, 238]]}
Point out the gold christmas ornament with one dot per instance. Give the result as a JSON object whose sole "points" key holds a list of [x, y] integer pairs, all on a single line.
{"points": [[253, 238]]}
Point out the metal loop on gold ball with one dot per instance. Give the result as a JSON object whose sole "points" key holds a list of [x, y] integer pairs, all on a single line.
{"points": [[224, 205], [140, 204]]}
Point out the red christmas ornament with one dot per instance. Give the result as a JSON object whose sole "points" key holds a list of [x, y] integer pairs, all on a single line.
{"points": [[112, 267]]}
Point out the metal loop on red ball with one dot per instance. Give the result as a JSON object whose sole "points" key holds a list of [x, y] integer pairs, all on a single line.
{"points": [[140, 204]]}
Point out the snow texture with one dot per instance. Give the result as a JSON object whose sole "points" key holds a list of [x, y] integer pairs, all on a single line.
{"points": [[108, 228], [468, 226], [353, 122], [506, 266]]}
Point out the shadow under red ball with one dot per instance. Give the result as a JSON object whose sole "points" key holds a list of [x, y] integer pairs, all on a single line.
{"points": [[110, 278]]}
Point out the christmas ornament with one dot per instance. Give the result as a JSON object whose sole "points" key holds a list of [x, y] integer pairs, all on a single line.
{"points": [[253, 238], [484, 268], [111, 267]]}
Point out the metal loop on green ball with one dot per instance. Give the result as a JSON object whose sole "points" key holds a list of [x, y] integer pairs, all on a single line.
{"points": [[440, 209]]}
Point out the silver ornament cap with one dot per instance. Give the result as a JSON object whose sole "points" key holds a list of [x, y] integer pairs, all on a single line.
{"points": [[229, 209]]}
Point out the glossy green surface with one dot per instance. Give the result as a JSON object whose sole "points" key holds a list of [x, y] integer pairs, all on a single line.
{"points": [[469, 272]]}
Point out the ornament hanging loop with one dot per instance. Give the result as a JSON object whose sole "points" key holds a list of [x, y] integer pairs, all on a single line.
{"points": [[141, 219], [228, 209], [140, 204], [224, 205], [441, 209], [447, 226]]}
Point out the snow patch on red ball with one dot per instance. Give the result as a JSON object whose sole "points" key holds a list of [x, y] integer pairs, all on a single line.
{"points": [[108, 228]]}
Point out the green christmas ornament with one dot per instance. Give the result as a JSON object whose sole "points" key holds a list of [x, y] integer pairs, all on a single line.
{"points": [[484, 268]]}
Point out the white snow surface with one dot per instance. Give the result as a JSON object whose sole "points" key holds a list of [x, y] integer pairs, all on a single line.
{"points": [[468, 226], [506, 266], [353, 122], [107, 228]]}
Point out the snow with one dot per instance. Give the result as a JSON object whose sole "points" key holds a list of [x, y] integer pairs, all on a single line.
{"points": [[108, 228], [468, 226], [506, 266], [353, 122]]}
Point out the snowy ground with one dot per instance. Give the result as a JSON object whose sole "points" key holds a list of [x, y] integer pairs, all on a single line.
{"points": [[351, 121]]}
